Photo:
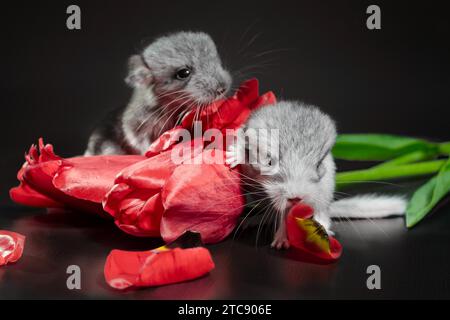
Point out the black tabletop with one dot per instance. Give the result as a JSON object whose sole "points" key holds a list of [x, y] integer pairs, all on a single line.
{"points": [[413, 263]]}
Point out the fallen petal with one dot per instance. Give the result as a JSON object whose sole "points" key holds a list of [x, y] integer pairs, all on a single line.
{"points": [[308, 239], [11, 246], [124, 269]]}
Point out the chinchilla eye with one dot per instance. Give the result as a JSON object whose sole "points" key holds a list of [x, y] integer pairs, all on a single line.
{"points": [[183, 74], [320, 170]]}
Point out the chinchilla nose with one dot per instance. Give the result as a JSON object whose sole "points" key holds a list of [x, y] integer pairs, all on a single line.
{"points": [[294, 201]]}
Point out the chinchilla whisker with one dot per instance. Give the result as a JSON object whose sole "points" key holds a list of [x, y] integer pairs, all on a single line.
{"points": [[170, 93], [247, 30], [169, 117], [262, 221], [161, 112], [245, 218], [271, 51], [374, 181], [249, 43], [247, 177], [166, 107]]}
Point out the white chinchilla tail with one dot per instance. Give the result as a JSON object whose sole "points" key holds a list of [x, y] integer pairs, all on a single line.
{"points": [[368, 206]]}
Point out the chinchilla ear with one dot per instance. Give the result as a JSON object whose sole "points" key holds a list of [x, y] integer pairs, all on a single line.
{"points": [[139, 75]]}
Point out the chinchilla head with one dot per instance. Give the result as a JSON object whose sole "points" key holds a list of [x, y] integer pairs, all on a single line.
{"points": [[304, 165], [184, 66]]}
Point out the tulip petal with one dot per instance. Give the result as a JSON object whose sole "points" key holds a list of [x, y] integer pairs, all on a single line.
{"points": [[204, 198], [90, 178], [308, 238], [26, 195], [135, 200], [11, 246], [47, 180], [181, 260]]}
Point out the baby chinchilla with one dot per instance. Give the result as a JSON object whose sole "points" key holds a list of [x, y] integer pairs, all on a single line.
{"points": [[302, 169], [174, 74]]}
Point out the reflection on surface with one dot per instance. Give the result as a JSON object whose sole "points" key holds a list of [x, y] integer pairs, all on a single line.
{"points": [[414, 263]]}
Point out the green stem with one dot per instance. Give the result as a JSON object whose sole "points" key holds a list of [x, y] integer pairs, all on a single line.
{"points": [[415, 156], [389, 172], [444, 148]]}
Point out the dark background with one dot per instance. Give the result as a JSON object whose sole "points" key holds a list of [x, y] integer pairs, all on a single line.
{"points": [[58, 84]]}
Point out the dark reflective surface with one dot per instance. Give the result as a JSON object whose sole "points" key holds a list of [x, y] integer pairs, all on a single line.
{"points": [[414, 263]]}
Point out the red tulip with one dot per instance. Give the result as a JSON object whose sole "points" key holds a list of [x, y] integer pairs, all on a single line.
{"points": [[47, 180], [11, 246], [151, 196]]}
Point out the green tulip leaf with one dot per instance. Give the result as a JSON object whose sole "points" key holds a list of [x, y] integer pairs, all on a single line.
{"points": [[379, 147], [427, 196]]}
